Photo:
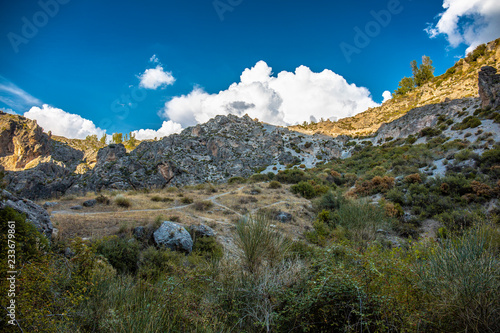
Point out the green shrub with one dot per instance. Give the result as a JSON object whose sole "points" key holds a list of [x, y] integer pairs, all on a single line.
{"points": [[208, 247], [258, 242], [186, 200], [122, 254], [259, 177], [331, 201], [154, 263], [157, 198], [274, 184], [291, 176], [468, 122], [236, 180], [308, 190], [462, 278], [121, 201]]}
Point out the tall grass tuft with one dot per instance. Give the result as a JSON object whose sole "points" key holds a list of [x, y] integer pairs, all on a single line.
{"points": [[462, 276], [259, 242]]}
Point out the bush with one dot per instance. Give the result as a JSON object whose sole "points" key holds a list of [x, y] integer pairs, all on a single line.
{"points": [[121, 201], [122, 254], [462, 278], [308, 190], [157, 198], [274, 185], [153, 262], [291, 176], [208, 248], [259, 177], [258, 242], [468, 122], [203, 205], [236, 180], [413, 179], [376, 185], [186, 200], [102, 199], [331, 201]]}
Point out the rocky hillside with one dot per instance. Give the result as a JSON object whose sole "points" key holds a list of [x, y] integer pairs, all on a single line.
{"points": [[459, 81]]}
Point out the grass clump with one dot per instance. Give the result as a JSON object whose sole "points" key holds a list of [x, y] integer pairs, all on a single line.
{"points": [[203, 206], [121, 201], [274, 185]]}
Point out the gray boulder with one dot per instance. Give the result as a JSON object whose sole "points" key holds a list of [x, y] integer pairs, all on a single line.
{"points": [[90, 203], [283, 217], [35, 214], [139, 232], [202, 231], [77, 207], [50, 204], [173, 236]]}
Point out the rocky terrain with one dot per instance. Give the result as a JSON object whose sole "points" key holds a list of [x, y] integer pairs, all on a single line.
{"points": [[41, 166], [460, 81]]}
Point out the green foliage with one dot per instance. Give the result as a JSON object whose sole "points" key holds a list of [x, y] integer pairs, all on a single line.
{"points": [[186, 200], [422, 73], [103, 139], [478, 52], [154, 263], [121, 253], [236, 180], [308, 189], [274, 184], [467, 122], [208, 247], [291, 176], [462, 278], [405, 86], [258, 242], [117, 137]]}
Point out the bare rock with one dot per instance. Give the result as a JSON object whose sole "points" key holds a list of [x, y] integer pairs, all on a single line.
{"points": [[173, 236], [35, 214], [489, 87], [201, 231]]}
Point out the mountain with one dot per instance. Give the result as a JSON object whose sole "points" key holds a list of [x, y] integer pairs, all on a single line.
{"points": [[459, 81], [39, 165]]}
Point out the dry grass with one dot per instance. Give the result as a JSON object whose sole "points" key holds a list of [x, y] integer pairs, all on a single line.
{"points": [[229, 203]]}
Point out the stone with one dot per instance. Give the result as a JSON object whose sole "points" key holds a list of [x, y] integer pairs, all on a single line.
{"points": [[50, 204], [173, 236], [90, 203], [489, 87], [35, 214], [283, 217], [77, 207], [139, 232], [202, 230]]}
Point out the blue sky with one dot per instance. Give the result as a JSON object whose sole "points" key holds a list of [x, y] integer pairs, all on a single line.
{"points": [[88, 61]]}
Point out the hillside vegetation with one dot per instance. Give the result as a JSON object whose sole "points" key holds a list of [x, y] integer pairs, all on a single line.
{"points": [[459, 81]]}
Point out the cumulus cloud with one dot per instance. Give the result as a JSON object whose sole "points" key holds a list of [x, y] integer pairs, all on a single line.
{"points": [[154, 78], [167, 128], [470, 22], [285, 99], [386, 95], [63, 123]]}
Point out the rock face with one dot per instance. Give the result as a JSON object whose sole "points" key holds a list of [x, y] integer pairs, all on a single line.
{"points": [[35, 214], [171, 235], [202, 231], [21, 141], [224, 147], [489, 87]]}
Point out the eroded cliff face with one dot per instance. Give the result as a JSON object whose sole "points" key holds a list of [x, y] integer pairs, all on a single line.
{"points": [[22, 142]]}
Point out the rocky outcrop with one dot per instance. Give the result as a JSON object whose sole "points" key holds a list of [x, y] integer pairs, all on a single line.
{"points": [[173, 236], [35, 214], [21, 141], [201, 230], [489, 87], [419, 118]]}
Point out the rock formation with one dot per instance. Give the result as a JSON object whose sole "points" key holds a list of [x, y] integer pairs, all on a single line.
{"points": [[489, 87], [173, 236], [35, 214]]}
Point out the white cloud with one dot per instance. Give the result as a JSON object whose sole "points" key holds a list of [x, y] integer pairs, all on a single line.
{"points": [[15, 97], [154, 59], [386, 95], [167, 128], [154, 78], [63, 123], [285, 99], [471, 22]]}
